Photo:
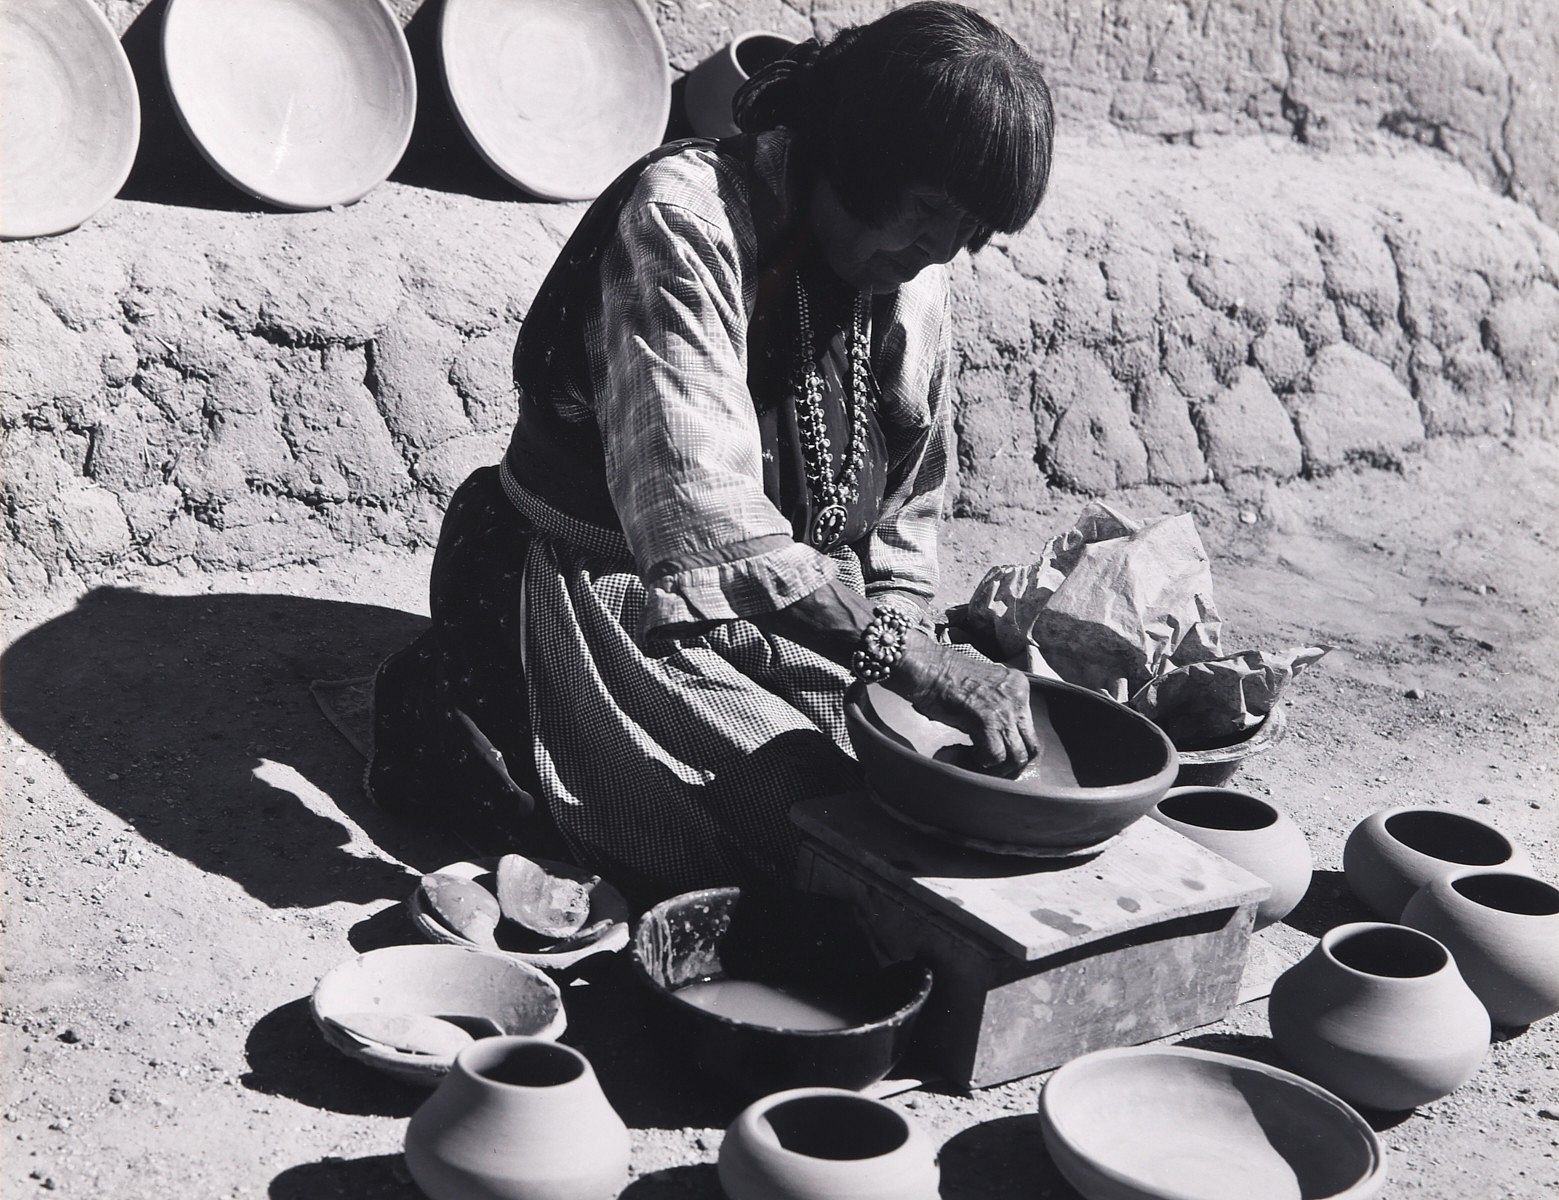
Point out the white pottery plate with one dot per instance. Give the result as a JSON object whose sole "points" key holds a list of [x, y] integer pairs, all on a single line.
{"points": [[559, 97], [302, 103], [70, 118]]}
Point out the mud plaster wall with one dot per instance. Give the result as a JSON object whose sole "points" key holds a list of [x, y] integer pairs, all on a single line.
{"points": [[1212, 292]]}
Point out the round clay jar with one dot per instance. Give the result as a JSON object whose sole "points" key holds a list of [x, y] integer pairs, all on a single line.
{"points": [[1394, 852], [1503, 929], [518, 1119], [1380, 1015], [826, 1144], [1251, 833]]}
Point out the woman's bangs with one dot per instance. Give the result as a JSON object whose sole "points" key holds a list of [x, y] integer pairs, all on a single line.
{"points": [[986, 142]]}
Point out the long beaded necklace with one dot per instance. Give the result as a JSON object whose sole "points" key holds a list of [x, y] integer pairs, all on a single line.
{"points": [[830, 495]]}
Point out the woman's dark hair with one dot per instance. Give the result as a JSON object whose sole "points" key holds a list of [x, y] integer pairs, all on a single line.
{"points": [[932, 94]]}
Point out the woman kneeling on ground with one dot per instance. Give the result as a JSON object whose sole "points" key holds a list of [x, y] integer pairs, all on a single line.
{"points": [[722, 497]]}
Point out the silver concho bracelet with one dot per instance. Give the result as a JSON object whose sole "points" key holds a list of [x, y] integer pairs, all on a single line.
{"points": [[882, 644]]}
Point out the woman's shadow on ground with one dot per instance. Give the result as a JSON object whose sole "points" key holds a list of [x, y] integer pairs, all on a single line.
{"points": [[190, 717]]}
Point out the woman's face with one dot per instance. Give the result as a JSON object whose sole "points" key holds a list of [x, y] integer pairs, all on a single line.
{"points": [[927, 227]]}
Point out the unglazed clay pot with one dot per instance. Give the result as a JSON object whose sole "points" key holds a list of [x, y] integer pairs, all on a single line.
{"points": [[713, 84], [1249, 832], [826, 1144], [1394, 852], [518, 1119], [1380, 1015], [1503, 929]]}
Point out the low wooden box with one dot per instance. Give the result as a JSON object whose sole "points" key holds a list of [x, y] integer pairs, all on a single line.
{"points": [[1038, 961]]}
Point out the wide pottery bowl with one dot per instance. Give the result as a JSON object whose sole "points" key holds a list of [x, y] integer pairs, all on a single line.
{"points": [[804, 946], [1101, 767], [1173, 1123]]}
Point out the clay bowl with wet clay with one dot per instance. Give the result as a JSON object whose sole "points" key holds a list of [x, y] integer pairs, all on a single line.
{"points": [[1101, 766], [366, 1006], [1394, 852], [1173, 1123], [769, 990]]}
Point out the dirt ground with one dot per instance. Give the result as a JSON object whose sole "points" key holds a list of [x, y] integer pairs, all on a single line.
{"points": [[186, 850]]}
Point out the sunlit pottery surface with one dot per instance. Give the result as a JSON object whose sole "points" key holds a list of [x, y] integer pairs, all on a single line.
{"points": [[1380, 1015], [768, 992], [1503, 929], [1100, 767], [518, 1119], [826, 1144], [1248, 831], [1173, 1123], [479, 989], [1394, 852]]}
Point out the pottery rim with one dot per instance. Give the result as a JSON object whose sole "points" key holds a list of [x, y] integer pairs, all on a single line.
{"points": [[1403, 933], [732, 49], [500, 1047], [1530, 882], [1452, 818], [1271, 813], [855, 708], [1366, 1185], [896, 1017], [755, 1118], [1264, 735]]}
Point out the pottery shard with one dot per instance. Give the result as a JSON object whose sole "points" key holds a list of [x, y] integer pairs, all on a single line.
{"points": [[551, 905], [410, 1033], [466, 908]]}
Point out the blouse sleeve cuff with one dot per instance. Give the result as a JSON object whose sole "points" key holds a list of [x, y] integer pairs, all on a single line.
{"points": [[742, 587]]}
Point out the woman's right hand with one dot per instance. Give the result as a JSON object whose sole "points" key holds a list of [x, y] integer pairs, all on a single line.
{"points": [[986, 700]]}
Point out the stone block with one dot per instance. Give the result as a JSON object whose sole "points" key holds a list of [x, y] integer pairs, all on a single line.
{"points": [[1244, 429], [1164, 421], [1086, 434], [1352, 408]]}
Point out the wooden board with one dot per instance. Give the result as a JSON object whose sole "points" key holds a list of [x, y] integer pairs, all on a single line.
{"points": [[1032, 908]]}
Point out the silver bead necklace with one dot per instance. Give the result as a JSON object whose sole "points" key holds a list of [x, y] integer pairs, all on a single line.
{"points": [[830, 496]]}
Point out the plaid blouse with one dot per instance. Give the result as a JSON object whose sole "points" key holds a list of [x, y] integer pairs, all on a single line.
{"points": [[668, 390]]}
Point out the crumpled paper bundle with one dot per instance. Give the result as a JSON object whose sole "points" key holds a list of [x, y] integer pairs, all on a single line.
{"points": [[1126, 608]]}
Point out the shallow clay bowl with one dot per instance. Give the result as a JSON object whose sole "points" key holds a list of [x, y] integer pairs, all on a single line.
{"points": [[799, 943], [1172, 1123], [440, 981], [606, 904], [1121, 762]]}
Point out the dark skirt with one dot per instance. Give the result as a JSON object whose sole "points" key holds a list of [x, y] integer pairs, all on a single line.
{"points": [[531, 713]]}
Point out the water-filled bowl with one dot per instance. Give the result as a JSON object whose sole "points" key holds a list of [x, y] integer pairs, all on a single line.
{"points": [[806, 948], [1101, 767], [1173, 1123]]}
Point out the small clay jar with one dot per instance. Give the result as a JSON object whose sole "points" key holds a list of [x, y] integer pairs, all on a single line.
{"points": [[826, 1144], [518, 1119], [1248, 831], [1503, 929], [713, 84], [1394, 852], [1380, 1015]]}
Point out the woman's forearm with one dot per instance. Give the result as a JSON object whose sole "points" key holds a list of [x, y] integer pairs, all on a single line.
{"points": [[831, 620]]}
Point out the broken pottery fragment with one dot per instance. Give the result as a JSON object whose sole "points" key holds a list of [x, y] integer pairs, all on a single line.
{"points": [[554, 906], [410, 1033], [465, 907]]}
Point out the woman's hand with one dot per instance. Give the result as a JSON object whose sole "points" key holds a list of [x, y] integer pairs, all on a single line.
{"points": [[986, 700]]}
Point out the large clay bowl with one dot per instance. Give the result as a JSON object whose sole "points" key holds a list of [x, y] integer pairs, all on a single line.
{"points": [[1172, 1123], [1121, 762], [558, 98], [826, 1144], [439, 981], [803, 945], [1248, 831], [70, 117], [302, 103], [1394, 852]]}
